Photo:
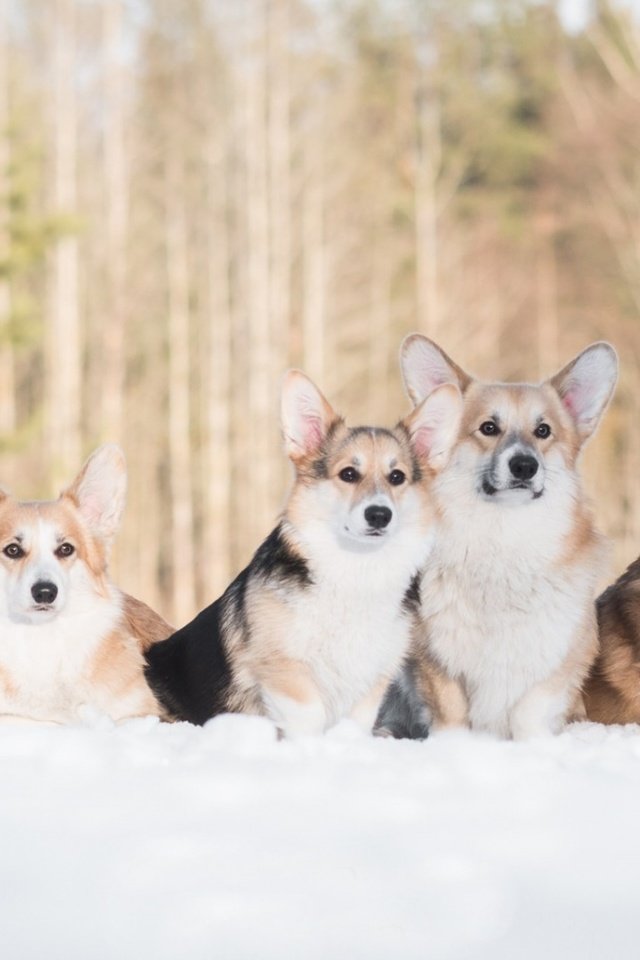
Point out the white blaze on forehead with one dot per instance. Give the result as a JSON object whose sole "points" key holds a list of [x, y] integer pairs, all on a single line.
{"points": [[46, 540]]}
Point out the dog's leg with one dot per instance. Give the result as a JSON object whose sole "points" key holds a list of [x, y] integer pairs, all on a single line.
{"points": [[540, 712], [444, 696], [547, 706], [11, 719], [365, 711], [292, 699]]}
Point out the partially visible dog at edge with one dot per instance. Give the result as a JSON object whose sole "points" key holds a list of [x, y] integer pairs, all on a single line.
{"points": [[71, 643], [507, 627], [317, 625], [612, 692]]}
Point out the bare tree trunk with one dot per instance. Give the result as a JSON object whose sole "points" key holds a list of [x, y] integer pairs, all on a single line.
{"points": [[428, 151], [262, 405], [314, 265], [279, 177], [547, 297], [7, 369], [63, 385], [116, 222], [379, 339], [180, 461], [217, 460]]}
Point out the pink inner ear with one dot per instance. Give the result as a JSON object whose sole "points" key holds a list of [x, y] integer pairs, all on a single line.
{"points": [[91, 507], [573, 400], [312, 432], [423, 440]]}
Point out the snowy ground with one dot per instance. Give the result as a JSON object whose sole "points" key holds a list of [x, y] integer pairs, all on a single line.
{"points": [[152, 841]]}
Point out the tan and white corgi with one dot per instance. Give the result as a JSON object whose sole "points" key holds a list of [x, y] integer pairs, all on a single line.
{"points": [[314, 629], [70, 639], [507, 618]]}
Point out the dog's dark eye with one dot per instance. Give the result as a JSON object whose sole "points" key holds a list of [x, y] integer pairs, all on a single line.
{"points": [[396, 477], [65, 550], [349, 475], [543, 430], [489, 428], [14, 551]]}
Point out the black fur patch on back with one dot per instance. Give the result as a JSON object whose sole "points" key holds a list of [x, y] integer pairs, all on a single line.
{"points": [[275, 559], [191, 673]]}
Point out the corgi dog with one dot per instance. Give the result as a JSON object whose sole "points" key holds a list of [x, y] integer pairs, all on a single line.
{"points": [[70, 639], [314, 629], [507, 628], [612, 690]]}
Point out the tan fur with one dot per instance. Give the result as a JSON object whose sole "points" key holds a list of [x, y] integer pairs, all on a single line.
{"points": [[612, 692], [145, 625], [6, 683], [445, 695]]}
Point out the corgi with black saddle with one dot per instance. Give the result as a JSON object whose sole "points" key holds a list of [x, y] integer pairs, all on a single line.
{"points": [[317, 625]]}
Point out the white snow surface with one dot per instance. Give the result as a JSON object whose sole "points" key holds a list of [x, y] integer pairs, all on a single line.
{"points": [[157, 841]]}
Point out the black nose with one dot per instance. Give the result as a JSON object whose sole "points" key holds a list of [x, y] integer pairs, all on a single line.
{"points": [[523, 466], [377, 517], [44, 592]]}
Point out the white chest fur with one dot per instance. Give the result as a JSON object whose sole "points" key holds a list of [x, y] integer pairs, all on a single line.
{"points": [[500, 610], [349, 626], [46, 667]]}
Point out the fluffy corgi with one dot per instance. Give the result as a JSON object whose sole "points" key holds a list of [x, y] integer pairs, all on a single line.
{"points": [[612, 691], [507, 617], [69, 639], [317, 625]]}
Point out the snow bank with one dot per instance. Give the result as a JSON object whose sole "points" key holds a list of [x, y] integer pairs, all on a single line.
{"points": [[151, 841]]}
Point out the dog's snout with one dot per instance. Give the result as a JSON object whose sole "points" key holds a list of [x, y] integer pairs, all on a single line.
{"points": [[377, 516], [44, 592], [523, 466]]}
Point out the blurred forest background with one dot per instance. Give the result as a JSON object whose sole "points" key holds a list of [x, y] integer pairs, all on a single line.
{"points": [[196, 195]]}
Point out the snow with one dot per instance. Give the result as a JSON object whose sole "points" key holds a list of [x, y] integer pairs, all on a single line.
{"points": [[159, 841]]}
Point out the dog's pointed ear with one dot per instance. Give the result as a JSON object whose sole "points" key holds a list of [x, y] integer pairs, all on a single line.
{"points": [[306, 416], [425, 366], [586, 385], [100, 489], [434, 425]]}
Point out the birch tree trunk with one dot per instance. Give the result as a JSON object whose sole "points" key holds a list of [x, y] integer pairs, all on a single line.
{"points": [[180, 460], [217, 460], [314, 264], [7, 368], [547, 297], [116, 221], [63, 375], [428, 151], [262, 390]]}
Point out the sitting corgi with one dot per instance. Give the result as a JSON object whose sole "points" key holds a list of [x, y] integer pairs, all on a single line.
{"points": [[612, 692], [316, 626], [69, 639], [507, 617]]}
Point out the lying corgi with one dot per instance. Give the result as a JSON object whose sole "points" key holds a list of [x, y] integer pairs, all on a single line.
{"points": [[508, 629], [316, 626], [69, 639], [612, 691]]}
